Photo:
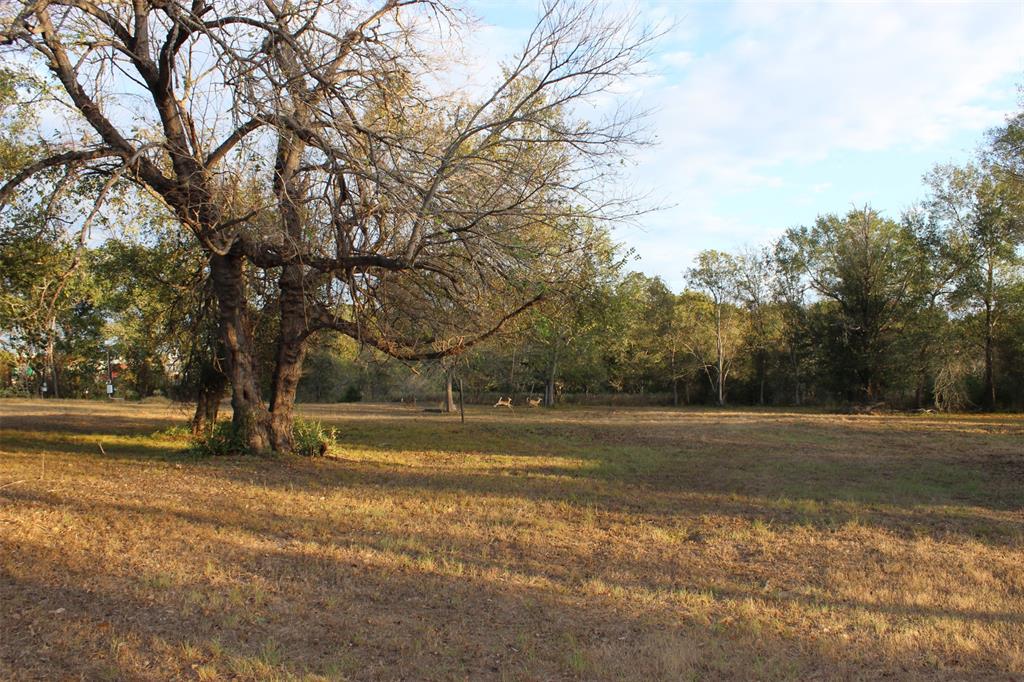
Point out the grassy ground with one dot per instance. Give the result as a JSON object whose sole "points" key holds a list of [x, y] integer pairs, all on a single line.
{"points": [[540, 545]]}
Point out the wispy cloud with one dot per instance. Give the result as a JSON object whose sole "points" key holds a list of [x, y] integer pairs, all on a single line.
{"points": [[745, 93]]}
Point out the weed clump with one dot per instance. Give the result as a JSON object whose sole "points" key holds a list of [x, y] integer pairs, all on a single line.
{"points": [[312, 438], [222, 440]]}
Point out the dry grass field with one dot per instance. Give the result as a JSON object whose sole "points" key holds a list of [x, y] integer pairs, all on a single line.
{"points": [[540, 545]]}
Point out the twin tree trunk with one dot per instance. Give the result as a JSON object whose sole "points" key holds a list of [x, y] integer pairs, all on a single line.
{"points": [[261, 428]]}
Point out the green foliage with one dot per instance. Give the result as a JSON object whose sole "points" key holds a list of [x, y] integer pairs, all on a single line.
{"points": [[867, 272], [222, 440], [312, 438]]}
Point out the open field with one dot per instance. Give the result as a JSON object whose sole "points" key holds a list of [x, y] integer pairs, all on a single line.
{"points": [[566, 544]]}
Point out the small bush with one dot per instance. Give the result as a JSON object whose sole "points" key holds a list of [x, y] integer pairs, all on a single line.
{"points": [[312, 438], [222, 440], [353, 394]]}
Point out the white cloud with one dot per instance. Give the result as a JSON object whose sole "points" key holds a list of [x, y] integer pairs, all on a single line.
{"points": [[678, 59], [799, 83], [742, 93]]}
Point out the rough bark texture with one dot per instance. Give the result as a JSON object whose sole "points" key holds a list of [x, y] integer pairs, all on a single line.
{"points": [[251, 418], [288, 366]]}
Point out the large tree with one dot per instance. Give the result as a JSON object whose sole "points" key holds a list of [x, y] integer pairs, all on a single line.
{"points": [[313, 141]]}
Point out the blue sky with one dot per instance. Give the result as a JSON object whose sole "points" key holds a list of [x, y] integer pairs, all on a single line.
{"points": [[767, 114]]}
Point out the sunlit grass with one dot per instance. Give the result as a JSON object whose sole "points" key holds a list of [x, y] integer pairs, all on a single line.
{"points": [[590, 544]]}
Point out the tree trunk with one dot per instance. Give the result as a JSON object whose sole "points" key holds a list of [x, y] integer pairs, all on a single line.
{"points": [[212, 384], [449, 396], [762, 372], [549, 386], [989, 397], [797, 399], [675, 392], [721, 359], [291, 349], [51, 357], [251, 419]]}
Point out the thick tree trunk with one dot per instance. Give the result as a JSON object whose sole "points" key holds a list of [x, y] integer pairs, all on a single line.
{"points": [[291, 348], [251, 419]]}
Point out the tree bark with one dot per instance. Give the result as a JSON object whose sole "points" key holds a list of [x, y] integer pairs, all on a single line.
{"points": [[291, 349], [549, 385], [762, 373], [989, 397], [721, 359], [794, 360], [251, 419]]}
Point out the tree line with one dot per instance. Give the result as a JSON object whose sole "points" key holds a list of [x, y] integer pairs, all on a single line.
{"points": [[313, 202], [922, 311]]}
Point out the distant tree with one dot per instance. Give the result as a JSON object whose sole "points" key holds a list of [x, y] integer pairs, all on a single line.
{"points": [[755, 290], [639, 337], [715, 275], [866, 270], [980, 216], [568, 331]]}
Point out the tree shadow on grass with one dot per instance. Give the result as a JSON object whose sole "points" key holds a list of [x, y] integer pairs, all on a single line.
{"points": [[679, 492], [868, 464], [356, 617], [664, 570], [94, 445], [718, 468]]}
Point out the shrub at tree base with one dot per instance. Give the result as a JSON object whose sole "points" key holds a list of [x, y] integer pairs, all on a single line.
{"points": [[311, 437]]}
